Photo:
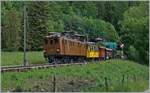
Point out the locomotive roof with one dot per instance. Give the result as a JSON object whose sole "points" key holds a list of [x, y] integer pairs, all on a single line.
{"points": [[66, 33], [66, 38], [74, 40], [90, 42], [79, 35], [69, 32], [54, 35]]}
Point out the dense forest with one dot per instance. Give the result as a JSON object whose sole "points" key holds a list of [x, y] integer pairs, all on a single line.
{"points": [[118, 21]]}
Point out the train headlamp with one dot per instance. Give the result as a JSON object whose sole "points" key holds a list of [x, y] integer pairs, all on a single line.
{"points": [[44, 51], [58, 50]]}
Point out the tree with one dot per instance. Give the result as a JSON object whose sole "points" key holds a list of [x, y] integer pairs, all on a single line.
{"points": [[11, 27], [38, 14], [85, 9], [135, 26], [100, 28]]}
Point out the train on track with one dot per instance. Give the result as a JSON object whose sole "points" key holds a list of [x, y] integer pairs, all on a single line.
{"points": [[69, 46]]}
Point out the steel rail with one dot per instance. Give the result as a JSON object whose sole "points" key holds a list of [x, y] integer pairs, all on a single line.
{"points": [[39, 66]]}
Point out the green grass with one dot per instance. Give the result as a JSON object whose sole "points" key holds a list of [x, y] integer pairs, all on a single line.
{"points": [[130, 86], [16, 58], [90, 77]]}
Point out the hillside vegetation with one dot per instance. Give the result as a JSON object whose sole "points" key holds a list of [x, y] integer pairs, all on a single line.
{"points": [[122, 22], [110, 75]]}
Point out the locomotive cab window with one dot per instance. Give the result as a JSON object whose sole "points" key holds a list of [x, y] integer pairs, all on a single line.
{"points": [[91, 48], [65, 41], [56, 40]]}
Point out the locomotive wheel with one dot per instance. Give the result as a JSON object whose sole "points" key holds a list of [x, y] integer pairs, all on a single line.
{"points": [[66, 59], [50, 59]]}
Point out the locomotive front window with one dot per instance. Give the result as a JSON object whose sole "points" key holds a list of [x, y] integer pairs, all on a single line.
{"points": [[51, 42], [45, 40]]}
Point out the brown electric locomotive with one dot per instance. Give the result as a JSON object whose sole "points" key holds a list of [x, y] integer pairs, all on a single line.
{"points": [[64, 47]]}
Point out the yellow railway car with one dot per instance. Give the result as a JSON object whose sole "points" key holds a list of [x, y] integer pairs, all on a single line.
{"points": [[92, 50]]}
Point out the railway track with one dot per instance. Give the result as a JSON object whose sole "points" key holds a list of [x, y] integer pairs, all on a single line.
{"points": [[37, 66]]}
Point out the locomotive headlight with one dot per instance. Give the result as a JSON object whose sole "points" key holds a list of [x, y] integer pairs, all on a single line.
{"points": [[44, 52], [58, 50]]}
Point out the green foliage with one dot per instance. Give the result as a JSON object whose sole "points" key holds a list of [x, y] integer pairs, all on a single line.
{"points": [[93, 27], [55, 23], [133, 53], [11, 28], [135, 30], [112, 69], [38, 14], [85, 9], [99, 28]]}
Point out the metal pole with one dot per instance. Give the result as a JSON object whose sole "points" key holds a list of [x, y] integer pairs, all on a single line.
{"points": [[87, 37], [54, 77], [122, 53], [25, 58]]}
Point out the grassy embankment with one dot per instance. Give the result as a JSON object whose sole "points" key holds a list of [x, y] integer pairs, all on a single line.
{"points": [[112, 75], [16, 58]]}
